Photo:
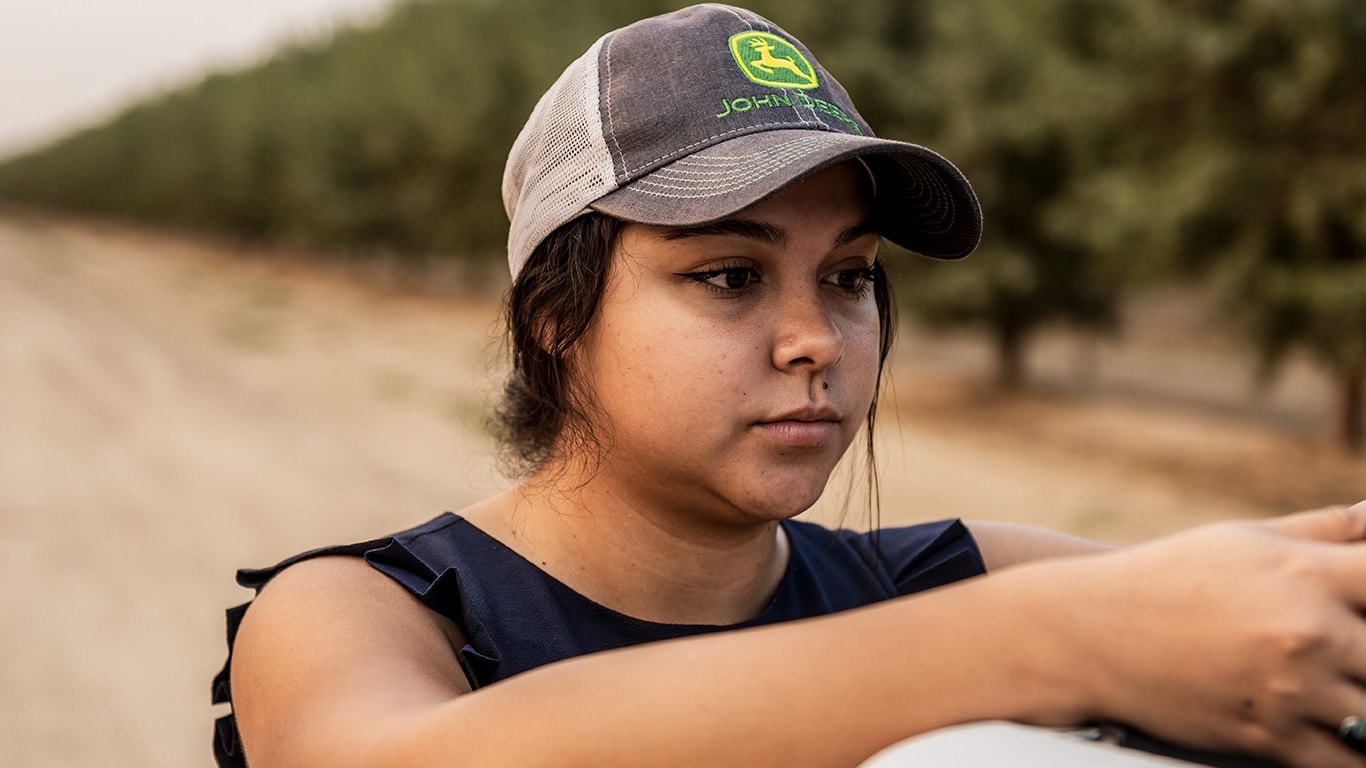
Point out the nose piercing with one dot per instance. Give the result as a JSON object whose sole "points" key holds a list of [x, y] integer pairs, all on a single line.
{"points": [[1353, 727]]}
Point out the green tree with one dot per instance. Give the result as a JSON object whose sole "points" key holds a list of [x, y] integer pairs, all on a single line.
{"points": [[1020, 96], [1257, 173]]}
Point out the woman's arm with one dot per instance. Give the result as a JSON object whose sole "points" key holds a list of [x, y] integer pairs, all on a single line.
{"points": [[336, 665], [1236, 635], [1004, 544]]}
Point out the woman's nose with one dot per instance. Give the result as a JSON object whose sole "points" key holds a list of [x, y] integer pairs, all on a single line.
{"points": [[806, 334]]}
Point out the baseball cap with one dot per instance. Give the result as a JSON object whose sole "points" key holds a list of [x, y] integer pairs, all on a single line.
{"points": [[691, 116]]}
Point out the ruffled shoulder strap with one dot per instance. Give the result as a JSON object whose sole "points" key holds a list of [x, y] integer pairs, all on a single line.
{"points": [[928, 555]]}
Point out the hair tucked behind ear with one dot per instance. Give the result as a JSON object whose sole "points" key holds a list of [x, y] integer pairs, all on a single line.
{"points": [[549, 307]]}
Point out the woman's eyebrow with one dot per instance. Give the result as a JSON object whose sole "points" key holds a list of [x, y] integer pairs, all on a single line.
{"points": [[758, 230], [861, 229], [754, 230]]}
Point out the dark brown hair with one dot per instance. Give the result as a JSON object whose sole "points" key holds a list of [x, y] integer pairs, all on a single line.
{"points": [[550, 306]]}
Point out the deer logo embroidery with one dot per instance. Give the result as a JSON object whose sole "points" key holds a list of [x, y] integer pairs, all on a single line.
{"points": [[772, 61]]}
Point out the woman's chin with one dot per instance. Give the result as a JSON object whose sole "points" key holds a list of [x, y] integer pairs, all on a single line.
{"points": [[783, 501]]}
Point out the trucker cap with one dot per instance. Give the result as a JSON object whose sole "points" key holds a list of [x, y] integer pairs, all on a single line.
{"points": [[691, 116]]}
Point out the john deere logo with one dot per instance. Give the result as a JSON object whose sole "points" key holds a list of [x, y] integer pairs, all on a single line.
{"points": [[770, 60]]}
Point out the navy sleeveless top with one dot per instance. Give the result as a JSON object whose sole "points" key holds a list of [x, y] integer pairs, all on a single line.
{"points": [[516, 617]]}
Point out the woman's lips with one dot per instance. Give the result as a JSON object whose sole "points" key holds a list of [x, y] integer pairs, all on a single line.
{"points": [[796, 433]]}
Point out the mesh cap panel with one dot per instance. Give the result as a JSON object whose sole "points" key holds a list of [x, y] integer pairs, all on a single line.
{"points": [[559, 163]]}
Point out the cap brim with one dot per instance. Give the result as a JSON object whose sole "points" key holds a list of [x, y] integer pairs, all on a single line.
{"points": [[922, 202]]}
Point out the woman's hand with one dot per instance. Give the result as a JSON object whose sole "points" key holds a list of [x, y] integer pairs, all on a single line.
{"points": [[1237, 636]]}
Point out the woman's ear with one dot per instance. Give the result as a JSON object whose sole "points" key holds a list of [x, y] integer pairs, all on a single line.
{"points": [[545, 332]]}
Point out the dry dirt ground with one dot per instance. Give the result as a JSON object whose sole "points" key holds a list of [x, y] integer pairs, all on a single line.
{"points": [[172, 409]]}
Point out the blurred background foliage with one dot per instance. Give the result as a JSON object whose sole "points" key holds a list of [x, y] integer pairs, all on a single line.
{"points": [[1114, 143]]}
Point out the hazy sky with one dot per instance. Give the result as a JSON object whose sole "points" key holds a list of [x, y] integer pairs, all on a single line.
{"points": [[64, 63]]}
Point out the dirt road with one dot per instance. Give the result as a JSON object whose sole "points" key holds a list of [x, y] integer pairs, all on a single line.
{"points": [[171, 411]]}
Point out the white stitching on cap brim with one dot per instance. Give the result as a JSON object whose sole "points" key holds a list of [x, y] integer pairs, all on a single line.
{"points": [[713, 175], [923, 200]]}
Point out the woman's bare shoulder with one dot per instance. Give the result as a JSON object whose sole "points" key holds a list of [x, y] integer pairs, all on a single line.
{"points": [[333, 648]]}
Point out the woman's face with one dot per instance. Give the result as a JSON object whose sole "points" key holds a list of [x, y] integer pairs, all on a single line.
{"points": [[732, 364]]}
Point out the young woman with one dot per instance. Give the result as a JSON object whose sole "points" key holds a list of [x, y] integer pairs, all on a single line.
{"points": [[699, 321]]}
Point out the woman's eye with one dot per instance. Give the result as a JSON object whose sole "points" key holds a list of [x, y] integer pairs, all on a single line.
{"points": [[729, 279], [854, 280]]}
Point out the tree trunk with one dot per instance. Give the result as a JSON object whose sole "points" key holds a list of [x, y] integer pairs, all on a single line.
{"points": [[1351, 405], [1010, 367]]}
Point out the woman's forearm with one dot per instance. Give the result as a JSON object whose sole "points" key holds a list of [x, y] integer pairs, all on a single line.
{"points": [[1233, 637], [823, 692]]}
